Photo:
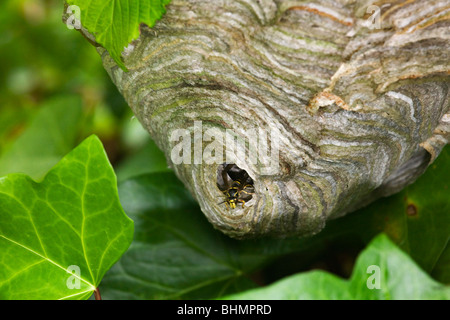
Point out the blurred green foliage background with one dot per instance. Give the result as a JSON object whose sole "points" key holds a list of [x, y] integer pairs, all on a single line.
{"points": [[43, 59]]}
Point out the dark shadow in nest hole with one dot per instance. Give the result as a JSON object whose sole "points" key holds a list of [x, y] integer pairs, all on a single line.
{"points": [[236, 185]]}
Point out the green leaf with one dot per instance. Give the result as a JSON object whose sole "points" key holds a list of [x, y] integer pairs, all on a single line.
{"points": [[441, 271], [381, 272], [147, 160], [115, 23], [48, 138], [426, 206], [175, 252], [72, 218]]}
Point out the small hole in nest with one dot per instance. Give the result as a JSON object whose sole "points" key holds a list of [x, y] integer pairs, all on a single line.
{"points": [[236, 185]]}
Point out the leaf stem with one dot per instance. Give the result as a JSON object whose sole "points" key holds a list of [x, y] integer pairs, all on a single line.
{"points": [[97, 294]]}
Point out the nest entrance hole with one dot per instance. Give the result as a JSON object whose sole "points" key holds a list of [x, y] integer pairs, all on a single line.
{"points": [[227, 173]]}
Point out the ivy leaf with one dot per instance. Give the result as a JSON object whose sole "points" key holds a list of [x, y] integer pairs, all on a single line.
{"points": [[138, 164], [60, 236], [382, 271], [146, 156], [115, 23], [426, 206], [441, 271]]}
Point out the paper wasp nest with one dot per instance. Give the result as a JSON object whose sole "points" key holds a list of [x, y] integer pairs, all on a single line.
{"points": [[326, 105]]}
